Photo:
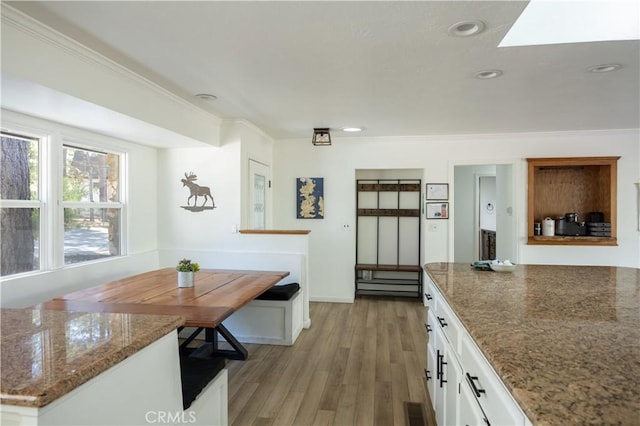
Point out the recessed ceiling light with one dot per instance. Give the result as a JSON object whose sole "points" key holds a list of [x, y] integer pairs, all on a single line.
{"points": [[352, 129], [466, 28], [604, 68], [488, 74], [206, 97]]}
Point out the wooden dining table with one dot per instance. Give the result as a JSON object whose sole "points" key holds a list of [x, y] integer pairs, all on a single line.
{"points": [[215, 295]]}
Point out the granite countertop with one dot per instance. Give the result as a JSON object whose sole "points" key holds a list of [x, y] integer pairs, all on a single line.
{"points": [[564, 339], [46, 354]]}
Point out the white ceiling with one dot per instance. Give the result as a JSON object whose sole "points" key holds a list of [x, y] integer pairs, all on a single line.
{"points": [[389, 67]]}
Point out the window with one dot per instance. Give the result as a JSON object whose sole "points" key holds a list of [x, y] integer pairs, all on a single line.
{"points": [[90, 202], [74, 215], [21, 205]]}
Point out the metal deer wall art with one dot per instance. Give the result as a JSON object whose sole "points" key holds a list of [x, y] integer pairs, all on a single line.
{"points": [[196, 190]]}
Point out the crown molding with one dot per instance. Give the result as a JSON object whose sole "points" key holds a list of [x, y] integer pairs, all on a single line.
{"points": [[251, 126], [24, 23]]}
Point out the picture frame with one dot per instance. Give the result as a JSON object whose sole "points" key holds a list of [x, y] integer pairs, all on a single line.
{"points": [[309, 198], [438, 210], [437, 191]]}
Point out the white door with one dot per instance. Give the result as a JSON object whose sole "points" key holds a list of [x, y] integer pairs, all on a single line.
{"points": [[259, 194]]}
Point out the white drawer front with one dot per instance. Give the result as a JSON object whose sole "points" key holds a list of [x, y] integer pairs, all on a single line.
{"points": [[430, 293], [450, 325], [497, 403]]}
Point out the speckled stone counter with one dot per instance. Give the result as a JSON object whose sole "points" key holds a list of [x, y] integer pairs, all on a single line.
{"points": [[46, 354], [564, 339]]}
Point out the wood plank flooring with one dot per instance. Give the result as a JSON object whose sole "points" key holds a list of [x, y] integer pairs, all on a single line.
{"points": [[358, 364]]}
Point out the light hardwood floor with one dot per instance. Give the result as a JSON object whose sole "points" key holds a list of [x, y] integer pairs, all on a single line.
{"points": [[356, 365]]}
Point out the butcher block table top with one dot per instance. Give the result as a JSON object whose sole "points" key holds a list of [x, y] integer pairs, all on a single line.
{"points": [[214, 297]]}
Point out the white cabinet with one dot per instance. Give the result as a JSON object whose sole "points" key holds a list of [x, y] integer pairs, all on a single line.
{"points": [[470, 411], [496, 401], [452, 373], [464, 388], [142, 389], [442, 362], [431, 371]]}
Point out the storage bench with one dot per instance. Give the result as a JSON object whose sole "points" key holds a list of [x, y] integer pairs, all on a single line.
{"points": [[269, 321]]}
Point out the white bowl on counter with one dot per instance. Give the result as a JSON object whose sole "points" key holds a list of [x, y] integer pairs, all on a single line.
{"points": [[502, 267]]}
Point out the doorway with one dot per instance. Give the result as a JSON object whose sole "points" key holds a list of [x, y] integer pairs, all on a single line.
{"points": [[483, 214], [259, 194]]}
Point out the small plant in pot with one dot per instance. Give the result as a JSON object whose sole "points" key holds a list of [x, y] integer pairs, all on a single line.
{"points": [[186, 270]]}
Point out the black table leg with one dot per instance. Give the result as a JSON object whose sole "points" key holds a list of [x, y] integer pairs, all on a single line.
{"points": [[238, 352], [210, 348]]}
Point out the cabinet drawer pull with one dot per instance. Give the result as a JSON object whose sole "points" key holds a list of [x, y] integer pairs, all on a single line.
{"points": [[441, 365], [442, 322], [428, 296], [427, 374], [428, 327], [478, 391]]}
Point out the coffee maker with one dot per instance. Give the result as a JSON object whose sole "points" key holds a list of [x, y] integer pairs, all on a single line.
{"points": [[568, 225]]}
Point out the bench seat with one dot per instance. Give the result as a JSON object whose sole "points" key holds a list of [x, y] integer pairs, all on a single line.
{"points": [[273, 322]]}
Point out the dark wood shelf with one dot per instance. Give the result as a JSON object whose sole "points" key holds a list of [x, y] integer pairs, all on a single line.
{"points": [[391, 268], [390, 212], [389, 187]]}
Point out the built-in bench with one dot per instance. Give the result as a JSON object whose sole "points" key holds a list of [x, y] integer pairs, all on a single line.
{"points": [[274, 318]]}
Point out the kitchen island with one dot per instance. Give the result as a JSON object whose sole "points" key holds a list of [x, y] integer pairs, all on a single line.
{"points": [[81, 368], [564, 340]]}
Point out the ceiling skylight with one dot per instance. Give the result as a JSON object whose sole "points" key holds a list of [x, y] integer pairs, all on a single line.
{"points": [[572, 21]]}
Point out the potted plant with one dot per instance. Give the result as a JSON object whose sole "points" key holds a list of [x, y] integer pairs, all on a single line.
{"points": [[186, 270]]}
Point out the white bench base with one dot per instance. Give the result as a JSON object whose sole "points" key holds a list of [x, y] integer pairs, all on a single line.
{"points": [[271, 322], [268, 322]]}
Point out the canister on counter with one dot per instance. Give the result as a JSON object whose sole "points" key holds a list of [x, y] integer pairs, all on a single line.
{"points": [[548, 227], [537, 228]]}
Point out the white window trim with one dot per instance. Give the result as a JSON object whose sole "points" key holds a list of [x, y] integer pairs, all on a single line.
{"points": [[53, 136]]}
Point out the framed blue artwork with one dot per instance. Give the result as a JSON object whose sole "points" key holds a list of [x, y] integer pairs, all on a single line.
{"points": [[310, 198]]}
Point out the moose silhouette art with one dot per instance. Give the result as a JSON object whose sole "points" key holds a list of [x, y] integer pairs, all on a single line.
{"points": [[196, 190]]}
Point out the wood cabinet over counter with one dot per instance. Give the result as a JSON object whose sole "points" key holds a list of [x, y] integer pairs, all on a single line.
{"points": [[581, 185]]}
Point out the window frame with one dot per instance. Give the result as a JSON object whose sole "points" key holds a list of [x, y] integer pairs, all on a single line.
{"points": [[52, 138], [81, 143], [42, 140]]}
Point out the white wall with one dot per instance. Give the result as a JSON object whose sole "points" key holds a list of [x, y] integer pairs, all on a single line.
{"points": [[225, 170], [332, 250], [488, 202], [217, 168]]}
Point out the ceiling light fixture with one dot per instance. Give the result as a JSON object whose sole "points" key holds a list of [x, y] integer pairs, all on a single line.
{"points": [[604, 68], [206, 96], [488, 74], [352, 129], [321, 137], [466, 28]]}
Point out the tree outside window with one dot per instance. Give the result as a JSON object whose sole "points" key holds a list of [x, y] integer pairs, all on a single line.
{"points": [[91, 203], [20, 212]]}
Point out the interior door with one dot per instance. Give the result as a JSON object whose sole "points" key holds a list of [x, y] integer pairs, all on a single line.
{"points": [[259, 194]]}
